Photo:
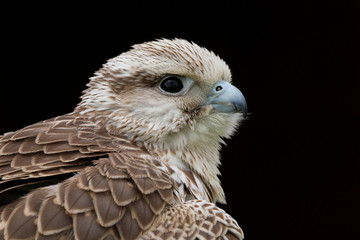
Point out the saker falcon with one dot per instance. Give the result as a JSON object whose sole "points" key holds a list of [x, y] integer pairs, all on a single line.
{"points": [[138, 158]]}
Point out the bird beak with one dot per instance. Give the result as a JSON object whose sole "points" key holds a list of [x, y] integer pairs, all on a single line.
{"points": [[225, 97]]}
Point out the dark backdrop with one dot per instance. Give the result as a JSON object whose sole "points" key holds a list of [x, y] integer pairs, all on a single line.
{"points": [[292, 171]]}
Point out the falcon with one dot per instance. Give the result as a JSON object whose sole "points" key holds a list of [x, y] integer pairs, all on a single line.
{"points": [[138, 158]]}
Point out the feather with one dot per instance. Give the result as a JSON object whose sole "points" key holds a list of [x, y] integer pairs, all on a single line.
{"points": [[33, 202], [58, 147], [20, 226], [141, 211], [87, 228], [77, 200], [146, 185], [52, 218], [45, 138], [107, 212], [29, 146], [97, 182], [155, 202], [123, 191], [22, 160], [128, 227], [10, 148]]}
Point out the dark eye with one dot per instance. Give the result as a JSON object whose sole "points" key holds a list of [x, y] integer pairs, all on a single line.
{"points": [[172, 84], [218, 88]]}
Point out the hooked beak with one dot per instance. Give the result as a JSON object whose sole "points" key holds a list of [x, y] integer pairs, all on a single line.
{"points": [[225, 97]]}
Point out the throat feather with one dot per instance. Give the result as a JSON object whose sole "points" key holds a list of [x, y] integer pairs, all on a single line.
{"points": [[199, 159]]}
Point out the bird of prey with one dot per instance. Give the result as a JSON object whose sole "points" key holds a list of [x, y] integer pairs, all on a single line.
{"points": [[138, 157]]}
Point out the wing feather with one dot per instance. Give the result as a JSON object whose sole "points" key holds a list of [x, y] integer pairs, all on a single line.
{"points": [[77, 200], [107, 211], [52, 218], [101, 201], [53, 147], [86, 227], [25, 226], [128, 227]]}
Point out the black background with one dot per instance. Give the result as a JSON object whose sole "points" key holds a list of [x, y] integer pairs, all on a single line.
{"points": [[293, 169]]}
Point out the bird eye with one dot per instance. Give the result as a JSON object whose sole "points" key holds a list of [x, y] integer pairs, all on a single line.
{"points": [[218, 88], [172, 84]]}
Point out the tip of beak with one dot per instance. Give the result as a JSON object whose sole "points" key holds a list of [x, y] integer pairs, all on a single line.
{"points": [[241, 108]]}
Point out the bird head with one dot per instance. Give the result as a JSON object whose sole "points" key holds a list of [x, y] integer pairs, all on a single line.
{"points": [[167, 94], [162, 87]]}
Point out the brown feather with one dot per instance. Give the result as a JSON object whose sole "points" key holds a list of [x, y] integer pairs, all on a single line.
{"points": [[146, 185], [114, 173], [41, 158], [33, 201], [60, 195], [83, 182], [52, 218], [97, 183], [87, 228], [58, 147], [27, 157], [5, 160], [61, 128], [75, 140], [166, 194], [46, 138], [26, 133], [77, 200], [22, 160], [7, 171], [141, 211], [10, 148], [29, 146], [155, 202], [128, 227], [20, 226], [107, 212], [123, 191], [6, 211], [6, 137], [72, 156]]}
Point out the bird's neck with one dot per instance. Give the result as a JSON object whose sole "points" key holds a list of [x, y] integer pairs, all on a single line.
{"points": [[195, 162], [192, 152]]}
